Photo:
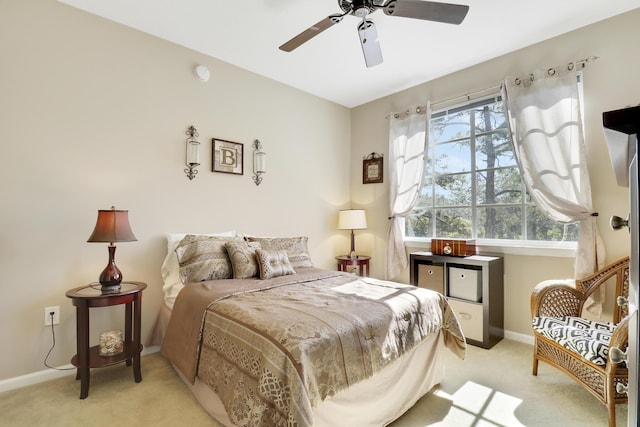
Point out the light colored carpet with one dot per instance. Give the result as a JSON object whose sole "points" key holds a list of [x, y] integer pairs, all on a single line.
{"points": [[491, 388]]}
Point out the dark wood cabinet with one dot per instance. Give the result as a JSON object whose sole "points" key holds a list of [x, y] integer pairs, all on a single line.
{"points": [[474, 288]]}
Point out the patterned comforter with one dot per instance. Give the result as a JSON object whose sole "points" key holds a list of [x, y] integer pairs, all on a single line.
{"points": [[274, 349]]}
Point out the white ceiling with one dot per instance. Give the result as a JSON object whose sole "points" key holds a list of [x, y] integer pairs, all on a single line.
{"points": [[247, 33]]}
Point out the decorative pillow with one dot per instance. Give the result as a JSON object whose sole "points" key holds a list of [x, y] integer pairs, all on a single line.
{"points": [[204, 258], [243, 259], [170, 268], [296, 248], [273, 263]]}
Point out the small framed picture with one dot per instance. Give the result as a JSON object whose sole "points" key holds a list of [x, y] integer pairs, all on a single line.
{"points": [[372, 169], [228, 156]]}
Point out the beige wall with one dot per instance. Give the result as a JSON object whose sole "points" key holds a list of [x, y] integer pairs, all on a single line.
{"points": [[610, 83], [94, 114]]}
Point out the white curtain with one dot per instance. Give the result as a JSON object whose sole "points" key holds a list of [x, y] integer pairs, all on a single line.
{"points": [[545, 118], [407, 143]]}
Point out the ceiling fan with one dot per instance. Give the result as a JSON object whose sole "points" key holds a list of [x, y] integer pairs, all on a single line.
{"points": [[417, 9]]}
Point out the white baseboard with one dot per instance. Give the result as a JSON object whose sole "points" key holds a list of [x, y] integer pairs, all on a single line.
{"points": [[51, 374], [516, 336]]}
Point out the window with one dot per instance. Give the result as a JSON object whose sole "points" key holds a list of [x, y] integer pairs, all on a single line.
{"points": [[472, 187]]}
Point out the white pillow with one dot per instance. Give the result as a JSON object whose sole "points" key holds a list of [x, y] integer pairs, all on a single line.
{"points": [[170, 268]]}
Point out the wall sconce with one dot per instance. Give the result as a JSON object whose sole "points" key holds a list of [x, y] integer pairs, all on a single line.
{"points": [[259, 162], [193, 152]]}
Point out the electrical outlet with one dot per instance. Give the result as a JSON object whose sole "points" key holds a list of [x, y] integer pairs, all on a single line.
{"points": [[47, 315]]}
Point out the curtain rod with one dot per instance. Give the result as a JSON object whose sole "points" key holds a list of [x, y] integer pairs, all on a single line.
{"points": [[468, 95], [570, 66], [420, 109]]}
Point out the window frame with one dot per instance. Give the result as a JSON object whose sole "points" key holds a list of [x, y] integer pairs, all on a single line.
{"points": [[496, 246]]}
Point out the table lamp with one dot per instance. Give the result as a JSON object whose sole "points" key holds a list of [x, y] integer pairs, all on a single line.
{"points": [[352, 219], [112, 226]]}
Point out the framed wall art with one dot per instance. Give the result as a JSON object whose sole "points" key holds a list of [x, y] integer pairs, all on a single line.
{"points": [[372, 169], [228, 156]]}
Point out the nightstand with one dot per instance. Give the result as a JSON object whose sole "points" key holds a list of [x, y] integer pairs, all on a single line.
{"points": [[91, 296], [361, 262]]}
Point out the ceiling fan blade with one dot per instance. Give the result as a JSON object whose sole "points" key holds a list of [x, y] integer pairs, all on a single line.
{"points": [[428, 10], [369, 41], [311, 32]]}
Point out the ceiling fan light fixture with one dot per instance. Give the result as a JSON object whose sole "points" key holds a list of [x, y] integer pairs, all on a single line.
{"points": [[417, 9], [361, 12]]}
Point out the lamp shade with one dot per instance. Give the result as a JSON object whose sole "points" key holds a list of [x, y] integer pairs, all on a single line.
{"points": [[112, 226], [352, 219]]}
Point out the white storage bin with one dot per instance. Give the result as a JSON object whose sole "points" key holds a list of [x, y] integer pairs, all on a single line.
{"points": [[465, 283], [470, 317]]}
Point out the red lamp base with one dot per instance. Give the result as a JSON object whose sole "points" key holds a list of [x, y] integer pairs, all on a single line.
{"points": [[111, 276]]}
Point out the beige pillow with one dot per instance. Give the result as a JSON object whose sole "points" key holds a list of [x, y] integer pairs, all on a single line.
{"points": [[204, 258], [243, 259], [170, 268], [273, 263], [296, 248]]}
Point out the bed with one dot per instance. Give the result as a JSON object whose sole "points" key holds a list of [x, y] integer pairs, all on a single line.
{"points": [[263, 338]]}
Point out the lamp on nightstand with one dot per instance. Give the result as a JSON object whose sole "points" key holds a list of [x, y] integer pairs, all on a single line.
{"points": [[112, 226], [352, 219]]}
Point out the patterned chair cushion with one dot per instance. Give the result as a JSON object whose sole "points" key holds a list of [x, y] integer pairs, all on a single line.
{"points": [[590, 339]]}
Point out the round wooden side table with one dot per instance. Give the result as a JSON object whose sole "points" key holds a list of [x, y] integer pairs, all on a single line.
{"points": [[91, 296], [361, 262]]}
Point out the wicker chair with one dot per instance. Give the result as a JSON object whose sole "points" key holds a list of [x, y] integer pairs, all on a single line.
{"points": [[556, 299]]}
